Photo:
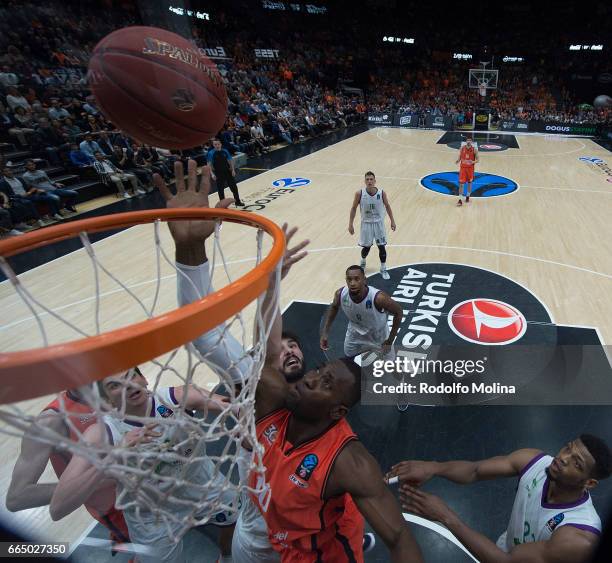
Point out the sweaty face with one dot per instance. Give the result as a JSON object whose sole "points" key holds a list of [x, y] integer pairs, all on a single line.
{"points": [[291, 360], [572, 466], [370, 181], [130, 387], [315, 395], [355, 281]]}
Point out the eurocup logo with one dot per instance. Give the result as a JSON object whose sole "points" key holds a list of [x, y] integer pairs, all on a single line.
{"points": [[592, 159], [487, 321], [290, 182]]}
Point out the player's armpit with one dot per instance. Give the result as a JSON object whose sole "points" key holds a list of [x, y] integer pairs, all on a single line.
{"points": [[566, 545], [356, 472]]}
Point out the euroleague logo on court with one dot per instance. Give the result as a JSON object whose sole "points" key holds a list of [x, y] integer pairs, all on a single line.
{"points": [[484, 185], [487, 321], [285, 185], [600, 164]]}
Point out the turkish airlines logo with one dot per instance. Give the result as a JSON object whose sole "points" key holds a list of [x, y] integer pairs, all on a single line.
{"points": [[487, 321]]}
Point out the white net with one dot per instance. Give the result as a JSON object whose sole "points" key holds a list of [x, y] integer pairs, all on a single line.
{"points": [[165, 450]]}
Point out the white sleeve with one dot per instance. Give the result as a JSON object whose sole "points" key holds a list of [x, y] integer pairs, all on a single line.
{"points": [[222, 352]]}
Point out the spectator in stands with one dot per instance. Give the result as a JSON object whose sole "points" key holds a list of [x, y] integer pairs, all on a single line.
{"points": [[25, 199], [105, 143], [14, 99], [123, 159], [89, 107], [38, 179], [259, 137], [149, 158], [89, 146], [20, 126], [50, 143], [110, 173], [8, 78], [79, 158], [6, 222], [71, 130], [56, 111]]}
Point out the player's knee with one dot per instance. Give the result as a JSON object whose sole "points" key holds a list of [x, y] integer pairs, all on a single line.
{"points": [[382, 253], [365, 250]]}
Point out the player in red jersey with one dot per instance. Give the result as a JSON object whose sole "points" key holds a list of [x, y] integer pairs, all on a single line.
{"points": [[468, 157], [26, 492], [321, 479]]}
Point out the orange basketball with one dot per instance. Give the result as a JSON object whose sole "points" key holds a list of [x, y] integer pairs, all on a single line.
{"points": [[157, 87]]}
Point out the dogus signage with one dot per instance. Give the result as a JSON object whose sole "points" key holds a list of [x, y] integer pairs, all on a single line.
{"points": [[439, 122], [563, 128], [380, 118]]}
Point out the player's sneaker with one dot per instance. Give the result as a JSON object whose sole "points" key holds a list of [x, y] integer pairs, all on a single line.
{"points": [[384, 274], [459, 203], [362, 264], [467, 199], [369, 541]]}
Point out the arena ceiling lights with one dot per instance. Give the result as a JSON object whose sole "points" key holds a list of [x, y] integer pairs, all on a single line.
{"points": [[393, 39]]}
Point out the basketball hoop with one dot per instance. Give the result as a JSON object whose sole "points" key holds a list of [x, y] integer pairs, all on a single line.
{"points": [[166, 347], [482, 90]]}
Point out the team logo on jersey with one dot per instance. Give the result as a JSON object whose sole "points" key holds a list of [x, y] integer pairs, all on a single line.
{"points": [[270, 433], [487, 321], [164, 411], [368, 304], [554, 522], [307, 466], [484, 184]]}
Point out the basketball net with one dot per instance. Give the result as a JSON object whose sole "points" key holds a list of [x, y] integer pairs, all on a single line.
{"points": [[482, 90], [190, 472]]}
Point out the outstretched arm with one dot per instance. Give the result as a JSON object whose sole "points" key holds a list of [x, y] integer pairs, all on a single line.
{"points": [[389, 212], [356, 472], [332, 312], [566, 545], [419, 472], [272, 388], [25, 491], [80, 480], [356, 200]]}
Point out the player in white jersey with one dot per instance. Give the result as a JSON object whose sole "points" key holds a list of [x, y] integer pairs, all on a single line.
{"points": [[128, 392], [372, 203], [367, 310], [553, 519]]}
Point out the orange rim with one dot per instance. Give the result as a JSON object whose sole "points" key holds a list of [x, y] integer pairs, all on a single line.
{"points": [[41, 371]]}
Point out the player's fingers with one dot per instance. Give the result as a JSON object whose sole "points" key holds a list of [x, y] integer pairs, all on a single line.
{"points": [[294, 259], [192, 175], [289, 233], [298, 247], [224, 203], [158, 181], [205, 180], [179, 176]]}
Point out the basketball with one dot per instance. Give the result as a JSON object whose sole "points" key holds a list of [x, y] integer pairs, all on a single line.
{"points": [[157, 87]]}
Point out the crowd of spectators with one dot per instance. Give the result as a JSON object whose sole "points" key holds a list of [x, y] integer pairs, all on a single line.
{"points": [[47, 110]]}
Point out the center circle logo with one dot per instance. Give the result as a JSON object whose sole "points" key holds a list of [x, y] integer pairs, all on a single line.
{"points": [[487, 321], [484, 185]]}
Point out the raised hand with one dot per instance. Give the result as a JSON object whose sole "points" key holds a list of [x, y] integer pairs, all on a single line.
{"points": [[194, 194], [415, 473], [293, 254]]}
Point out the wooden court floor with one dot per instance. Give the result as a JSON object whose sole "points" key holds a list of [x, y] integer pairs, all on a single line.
{"points": [[553, 235]]}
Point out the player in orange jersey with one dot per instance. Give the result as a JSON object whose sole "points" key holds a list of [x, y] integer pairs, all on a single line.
{"points": [[25, 491], [321, 480], [468, 157]]}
